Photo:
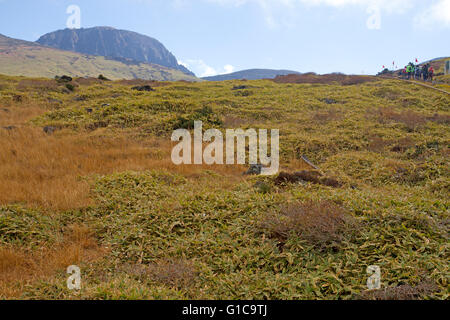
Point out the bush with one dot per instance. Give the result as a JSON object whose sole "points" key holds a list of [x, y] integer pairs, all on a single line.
{"points": [[102, 77], [63, 78], [306, 176], [402, 292], [411, 119], [176, 273], [70, 87], [323, 224], [205, 114]]}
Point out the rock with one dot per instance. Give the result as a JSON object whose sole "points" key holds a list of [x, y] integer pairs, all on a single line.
{"points": [[329, 101], [125, 46], [102, 77], [51, 100], [49, 129], [17, 98], [63, 78], [255, 169], [89, 110], [244, 93], [143, 88], [80, 98], [239, 87], [96, 125], [105, 105]]}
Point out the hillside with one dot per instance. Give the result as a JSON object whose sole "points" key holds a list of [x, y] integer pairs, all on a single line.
{"points": [[98, 189], [251, 74], [437, 64], [25, 58], [113, 43]]}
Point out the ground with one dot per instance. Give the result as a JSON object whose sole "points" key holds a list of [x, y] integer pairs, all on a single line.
{"points": [[101, 191]]}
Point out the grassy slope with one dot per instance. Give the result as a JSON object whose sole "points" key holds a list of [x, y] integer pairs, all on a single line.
{"points": [[23, 58], [440, 69], [380, 139]]}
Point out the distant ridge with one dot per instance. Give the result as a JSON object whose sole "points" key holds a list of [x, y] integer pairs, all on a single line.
{"points": [[251, 74], [24, 58], [115, 44]]}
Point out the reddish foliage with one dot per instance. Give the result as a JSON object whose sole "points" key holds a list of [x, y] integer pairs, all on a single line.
{"points": [[402, 292], [323, 224], [306, 176], [324, 79]]}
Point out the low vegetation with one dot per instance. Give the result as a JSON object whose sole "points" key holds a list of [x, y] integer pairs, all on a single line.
{"points": [[99, 190]]}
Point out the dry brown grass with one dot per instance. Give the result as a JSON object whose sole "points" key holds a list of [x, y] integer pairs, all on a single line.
{"points": [[47, 170], [139, 82], [328, 115], [170, 272], [323, 224], [178, 273], [324, 79], [378, 144], [411, 119], [294, 164], [44, 170], [440, 118], [19, 266], [306, 176], [43, 85], [18, 115], [230, 121], [402, 292], [403, 144]]}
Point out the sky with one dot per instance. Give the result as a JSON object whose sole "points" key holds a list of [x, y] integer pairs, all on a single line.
{"points": [[220, 36]]}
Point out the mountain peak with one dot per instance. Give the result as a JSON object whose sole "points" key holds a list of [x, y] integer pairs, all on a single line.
{"points": [[113, 43]]}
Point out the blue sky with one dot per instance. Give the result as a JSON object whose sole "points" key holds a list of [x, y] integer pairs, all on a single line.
{"points": [[218, 36]]}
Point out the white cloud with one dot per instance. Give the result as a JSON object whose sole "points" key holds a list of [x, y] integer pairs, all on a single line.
{"points": [[228, 68], [202, 69], [438, 13], [386, 5], [283, 12]]}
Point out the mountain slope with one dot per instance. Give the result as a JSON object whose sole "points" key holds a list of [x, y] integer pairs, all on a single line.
{"points": [[114, 43], [251, 74], [18, 57]]}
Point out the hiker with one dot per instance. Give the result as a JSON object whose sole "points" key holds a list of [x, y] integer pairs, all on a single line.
{"points": [[418, 73], [425, 72], [431, 73], [409, 71], [413, 70]]}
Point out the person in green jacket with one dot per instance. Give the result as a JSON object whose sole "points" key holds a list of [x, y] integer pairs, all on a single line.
{"points": [[409, 71]]}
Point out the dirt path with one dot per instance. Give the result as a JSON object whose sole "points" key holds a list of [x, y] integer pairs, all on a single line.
{"points": [[417, 83]]}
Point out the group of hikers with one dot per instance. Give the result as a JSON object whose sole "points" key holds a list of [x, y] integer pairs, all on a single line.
{"points": [[416, 72]]}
